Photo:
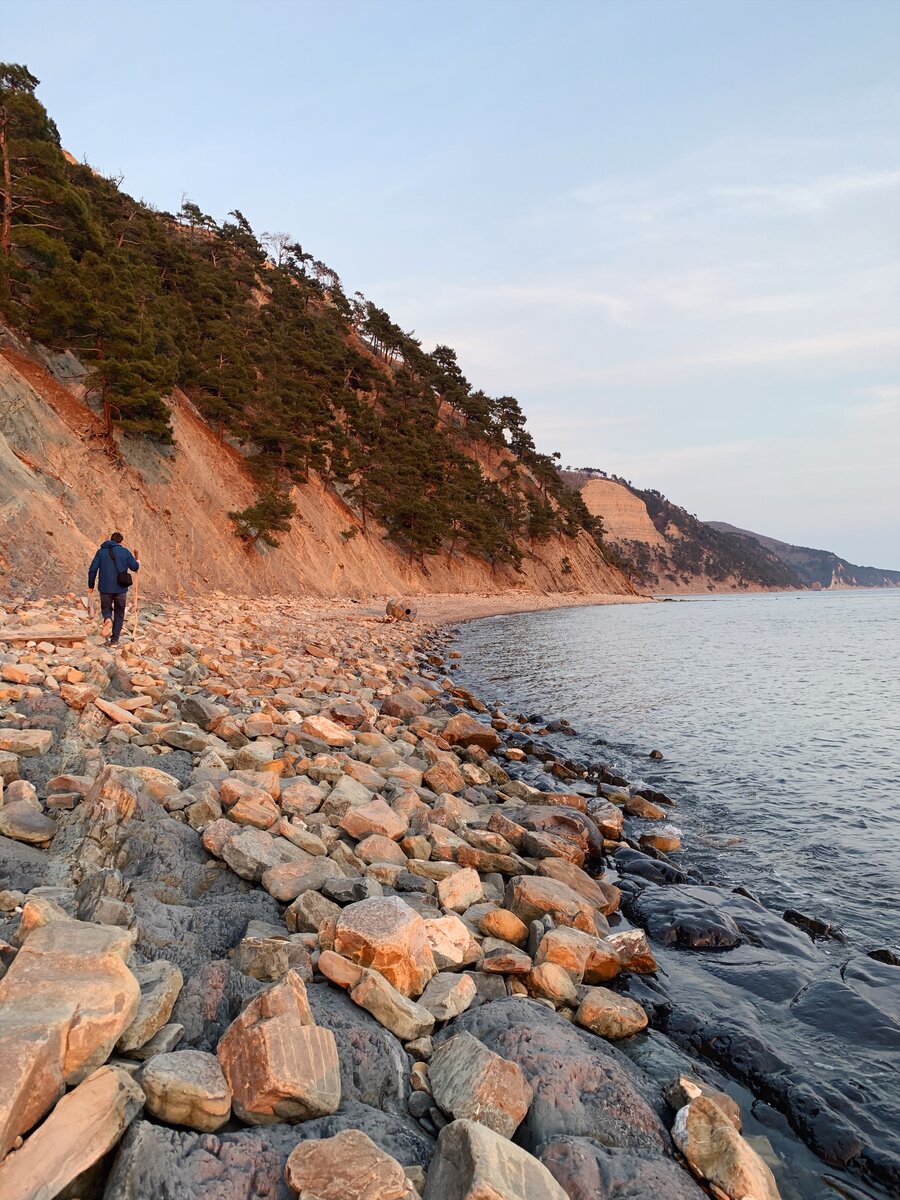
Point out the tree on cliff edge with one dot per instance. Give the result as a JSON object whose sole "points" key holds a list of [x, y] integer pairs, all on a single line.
{"points": [[260, 522]]}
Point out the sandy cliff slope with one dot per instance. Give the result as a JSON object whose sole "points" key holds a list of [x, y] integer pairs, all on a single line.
{"points": [[64, 486]]}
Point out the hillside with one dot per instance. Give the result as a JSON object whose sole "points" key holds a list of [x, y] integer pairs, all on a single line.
{"points": [[219, 397], [817, 568], [670, 550]]}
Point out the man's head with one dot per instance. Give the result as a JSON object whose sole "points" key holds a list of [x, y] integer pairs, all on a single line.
{"points": [[116, 537]]}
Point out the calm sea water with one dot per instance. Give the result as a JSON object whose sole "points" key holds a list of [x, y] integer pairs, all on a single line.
{"points": [[779, 719]]}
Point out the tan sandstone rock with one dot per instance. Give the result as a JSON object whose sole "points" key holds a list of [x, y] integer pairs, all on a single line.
{"points": [[279, 1065], [390, 937], [717, 1153], [610, 1015], [348, 1166], [84, 1126], [474, 1163], [187, 1087], [64, 1002]]}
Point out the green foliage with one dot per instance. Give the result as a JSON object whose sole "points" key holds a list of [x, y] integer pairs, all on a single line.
{"points": [[271, 514], [263, 339]]}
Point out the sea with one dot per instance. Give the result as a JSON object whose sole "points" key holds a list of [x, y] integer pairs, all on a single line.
{"points": [[778, 719]]}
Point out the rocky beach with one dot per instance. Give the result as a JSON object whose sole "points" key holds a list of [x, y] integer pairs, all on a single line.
{"points": [[287, 910]]}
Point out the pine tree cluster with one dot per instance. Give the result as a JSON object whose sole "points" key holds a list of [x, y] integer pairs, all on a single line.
{"points": [[266, 343]]}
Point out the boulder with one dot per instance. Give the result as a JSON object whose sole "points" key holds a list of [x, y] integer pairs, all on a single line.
{"points": [[717, 1154], [23, 822], [248, 1164], [583, 957], [687, 917], [187, 1087], [405, 1018], [388, 936], [348, 1166], [460, 890], [451, 942], [279, 1065], [375, 817], [505, 925], [83, 1127], [463, 730], [160, 984], [531, 897], [327, 731], [403, 706], [447, 995], [65, 1001], [27, 743], [474, 1163], [470, 1082], [610, 1015], [602, 896]]}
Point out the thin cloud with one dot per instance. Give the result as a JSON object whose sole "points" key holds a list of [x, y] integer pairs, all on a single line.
{"points": [[813, 196]]}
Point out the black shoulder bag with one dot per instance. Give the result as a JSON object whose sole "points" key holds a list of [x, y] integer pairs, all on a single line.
{"points": [[123, 578]]}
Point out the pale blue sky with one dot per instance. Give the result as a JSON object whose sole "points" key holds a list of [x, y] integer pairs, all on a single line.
{"points": [[671, 228]]}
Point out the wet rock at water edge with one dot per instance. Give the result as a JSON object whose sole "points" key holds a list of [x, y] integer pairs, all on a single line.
{"points": [[588, 1170]]}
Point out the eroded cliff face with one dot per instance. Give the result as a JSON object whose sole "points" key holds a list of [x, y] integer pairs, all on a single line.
{"points": [[673, 551], [64, 486]]}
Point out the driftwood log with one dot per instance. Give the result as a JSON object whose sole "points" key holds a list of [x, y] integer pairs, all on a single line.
{"points": [[401, 610]]}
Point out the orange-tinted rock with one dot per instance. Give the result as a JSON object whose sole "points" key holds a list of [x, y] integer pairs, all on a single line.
{"points": [[505, 925], [610, 1015], [603, 896], [84, 1126], [460, 890], [463, 730], [348, 1166], [445, 776], [634, 951], [327, 731], [474, 1163], [255, 808], [717, 1153], [279, 1065], [585, 959], [451, 941], [390, 937], [553, 983], [375, 817], [532, 896]]}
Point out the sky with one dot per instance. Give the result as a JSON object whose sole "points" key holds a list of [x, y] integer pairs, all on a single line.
{"points": [[670, 228]]}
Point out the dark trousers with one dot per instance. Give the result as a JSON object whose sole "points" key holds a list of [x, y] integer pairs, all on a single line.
{"points": [[112, 608]]}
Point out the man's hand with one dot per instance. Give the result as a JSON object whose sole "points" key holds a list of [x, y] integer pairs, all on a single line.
{"points": [[90, 590]]}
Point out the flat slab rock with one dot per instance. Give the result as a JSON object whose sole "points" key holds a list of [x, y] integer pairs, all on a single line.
{"points": [[170, 1164]]}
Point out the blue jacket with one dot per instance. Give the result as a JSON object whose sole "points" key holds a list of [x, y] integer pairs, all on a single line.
{"points": [[109, 569]]}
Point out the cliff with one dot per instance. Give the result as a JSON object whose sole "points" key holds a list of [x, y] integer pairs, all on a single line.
{"points": [[65, 484], [817, 568], [670, 550]]}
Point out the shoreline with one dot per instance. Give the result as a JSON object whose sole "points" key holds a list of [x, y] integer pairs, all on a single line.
{"points": [[249, 774]]}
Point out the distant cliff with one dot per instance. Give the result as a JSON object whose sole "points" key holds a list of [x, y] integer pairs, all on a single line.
{"points": [[667, 549], [817, 568]]}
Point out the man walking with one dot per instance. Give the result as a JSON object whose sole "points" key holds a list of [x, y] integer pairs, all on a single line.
{"points": [[112, 562]]}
